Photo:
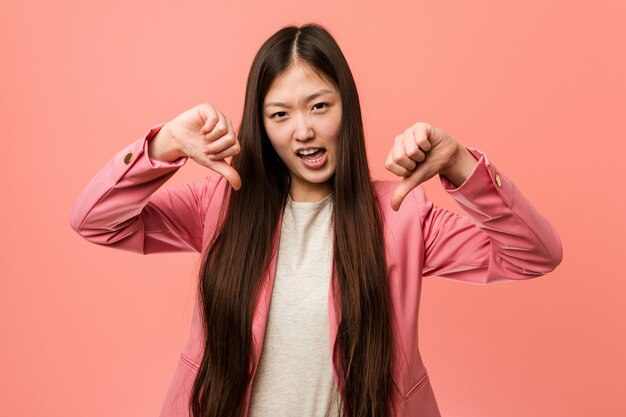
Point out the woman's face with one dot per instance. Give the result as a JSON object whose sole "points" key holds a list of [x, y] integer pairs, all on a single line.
{"points": [[302, 112]]}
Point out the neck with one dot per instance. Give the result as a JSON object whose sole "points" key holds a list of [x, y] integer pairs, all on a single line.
{"points": [[303, 193]]}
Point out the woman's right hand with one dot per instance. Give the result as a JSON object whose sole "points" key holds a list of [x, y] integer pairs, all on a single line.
{"points": [[203, 134]]}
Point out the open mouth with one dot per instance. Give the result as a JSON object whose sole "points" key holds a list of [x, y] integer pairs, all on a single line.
{"points": [[311, 155]]}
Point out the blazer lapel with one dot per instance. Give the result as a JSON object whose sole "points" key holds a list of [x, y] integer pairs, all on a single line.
{"points": [[262, 306], [334, 315]]}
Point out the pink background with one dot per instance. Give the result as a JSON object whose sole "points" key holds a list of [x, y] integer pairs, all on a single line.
{"points": [[539, 86]]}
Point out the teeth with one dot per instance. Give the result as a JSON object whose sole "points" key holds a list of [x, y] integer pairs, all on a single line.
{"points": [[308, 151]]}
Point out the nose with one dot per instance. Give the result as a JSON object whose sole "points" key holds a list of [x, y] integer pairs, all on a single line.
{"points": [[303, 129]]}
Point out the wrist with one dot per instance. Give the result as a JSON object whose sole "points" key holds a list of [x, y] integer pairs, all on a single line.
{"points": [[162, 147], [463, 164]]}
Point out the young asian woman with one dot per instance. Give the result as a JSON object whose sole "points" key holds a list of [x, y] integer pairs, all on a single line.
{"points": [[309, 288]]}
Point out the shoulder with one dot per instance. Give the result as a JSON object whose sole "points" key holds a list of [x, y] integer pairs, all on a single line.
{"points": [[212, 194], [416, 202]]}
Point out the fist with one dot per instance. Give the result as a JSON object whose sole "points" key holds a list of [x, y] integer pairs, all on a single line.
{"points": [[205, 135], [417, 155]]}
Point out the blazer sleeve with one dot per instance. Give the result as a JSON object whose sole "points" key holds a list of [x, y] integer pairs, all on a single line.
{"points": [[502, 237], [123, 206]]}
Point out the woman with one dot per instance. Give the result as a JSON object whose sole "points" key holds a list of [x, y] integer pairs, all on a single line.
{"points": [[340, 257]]}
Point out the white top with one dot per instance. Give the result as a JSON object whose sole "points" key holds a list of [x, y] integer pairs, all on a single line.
{"points": [[295, 374]]}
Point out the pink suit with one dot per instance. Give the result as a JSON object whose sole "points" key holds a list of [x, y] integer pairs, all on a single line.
{"points": [[503, 237]]}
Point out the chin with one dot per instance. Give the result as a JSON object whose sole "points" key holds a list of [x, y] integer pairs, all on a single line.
{"points": [[320, 178]]}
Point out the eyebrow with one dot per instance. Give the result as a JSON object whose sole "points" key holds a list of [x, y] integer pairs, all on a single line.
{"points": [[309, 98]]}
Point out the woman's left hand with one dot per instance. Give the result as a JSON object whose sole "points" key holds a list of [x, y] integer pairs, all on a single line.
{"points": [[423, 151]]}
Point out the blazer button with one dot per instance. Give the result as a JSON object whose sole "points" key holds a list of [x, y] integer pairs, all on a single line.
{"points": [[498, 180], [128, 158]]}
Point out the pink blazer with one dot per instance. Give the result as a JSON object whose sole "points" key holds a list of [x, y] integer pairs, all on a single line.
{"points": [[503, 237]]}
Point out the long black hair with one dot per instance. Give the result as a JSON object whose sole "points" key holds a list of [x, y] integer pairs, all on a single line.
{"points": [[234, 263]]}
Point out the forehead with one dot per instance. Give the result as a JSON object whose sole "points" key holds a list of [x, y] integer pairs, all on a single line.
{"points": [[298, 81]]}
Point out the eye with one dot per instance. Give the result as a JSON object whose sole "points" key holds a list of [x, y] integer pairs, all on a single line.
{"points": [[277, 115]]}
